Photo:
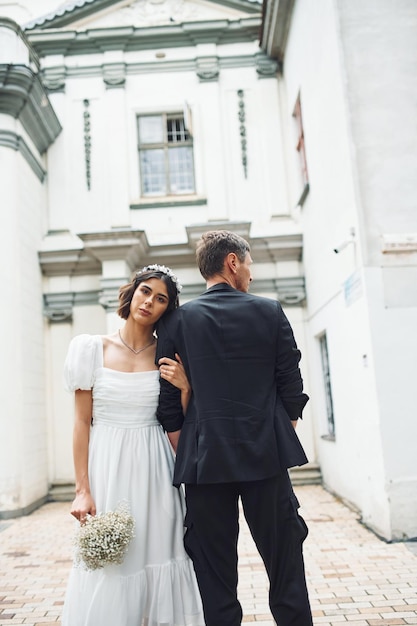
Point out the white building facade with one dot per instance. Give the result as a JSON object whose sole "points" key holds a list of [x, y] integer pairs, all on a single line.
{"points": [[157, 123], [128, 128], [351, 66]]}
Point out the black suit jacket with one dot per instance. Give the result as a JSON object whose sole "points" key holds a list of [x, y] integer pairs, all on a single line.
{"points": [[242, 361]]}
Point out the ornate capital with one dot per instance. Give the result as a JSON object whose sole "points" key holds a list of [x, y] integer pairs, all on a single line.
{"points": [[109, 294], [290, 291], [114, 75], [207, 69], [265, 66], [53, 78], [58, 307]]}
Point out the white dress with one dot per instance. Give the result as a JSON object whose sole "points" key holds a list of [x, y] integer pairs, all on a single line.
{"points": [[130, 460]]}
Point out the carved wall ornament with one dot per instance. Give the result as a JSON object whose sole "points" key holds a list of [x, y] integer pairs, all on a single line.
{"points": [[53, 78], [108, 296], [87, 143], [151, 12], [242, 131], [207, 69], [58, 307], [265, 66], [114, 75]]}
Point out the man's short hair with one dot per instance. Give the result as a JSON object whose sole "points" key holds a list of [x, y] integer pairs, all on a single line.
{"points": [[213, 248]]}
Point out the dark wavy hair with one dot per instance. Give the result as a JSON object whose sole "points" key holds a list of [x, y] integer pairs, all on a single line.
{"points": [[126, 291], [213, 248]]}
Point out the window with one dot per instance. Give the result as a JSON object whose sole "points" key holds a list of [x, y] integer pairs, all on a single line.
{"points": [[165, 155], [327, 387], [301, 149]]}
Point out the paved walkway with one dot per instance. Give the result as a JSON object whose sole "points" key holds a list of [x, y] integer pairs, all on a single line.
{"points": [[353, 576]]}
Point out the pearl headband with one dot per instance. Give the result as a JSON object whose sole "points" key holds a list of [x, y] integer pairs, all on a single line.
{"points": [[165, 270]]}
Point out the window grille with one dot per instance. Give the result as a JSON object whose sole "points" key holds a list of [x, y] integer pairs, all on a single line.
{"points": [[165, 155], [327, 386], [300, 145]]}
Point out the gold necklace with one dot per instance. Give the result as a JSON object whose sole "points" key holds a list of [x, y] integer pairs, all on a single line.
{"points": [[133, 349]]}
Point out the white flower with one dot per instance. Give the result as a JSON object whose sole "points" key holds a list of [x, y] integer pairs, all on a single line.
{"points": [[165, 270], [104, 538]]}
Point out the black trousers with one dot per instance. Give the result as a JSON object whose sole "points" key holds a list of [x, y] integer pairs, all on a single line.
{"points": [[271, 511]]}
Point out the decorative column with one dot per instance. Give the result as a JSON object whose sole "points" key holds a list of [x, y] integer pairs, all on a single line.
{"points": [[116, 133], [208, 72], [28, 126], [120, 253]]}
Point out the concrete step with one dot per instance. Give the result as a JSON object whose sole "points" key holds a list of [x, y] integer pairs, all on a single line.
{"points": [[306, 475], [309, 474], [61, 492]]}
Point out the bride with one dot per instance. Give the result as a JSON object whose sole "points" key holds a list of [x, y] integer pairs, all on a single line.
{"points": [[121, 454]]}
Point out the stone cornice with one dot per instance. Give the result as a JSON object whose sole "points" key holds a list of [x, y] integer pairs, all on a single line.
{"points": [[285, 247], [86, 253], [66, 15], [132, 246], [130, 38], [277, 248], [276, 21], [129, 245], [195, 231], [23, 96], [59, 307], [290, 290], [81, 10], [68, 262], [22, 47], [114, 75]]}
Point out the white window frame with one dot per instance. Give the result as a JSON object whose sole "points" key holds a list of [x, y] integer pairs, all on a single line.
{"points": [[183, 139]]}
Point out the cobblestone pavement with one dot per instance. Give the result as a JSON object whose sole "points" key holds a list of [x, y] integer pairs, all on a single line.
{"points": [[353, 576]]}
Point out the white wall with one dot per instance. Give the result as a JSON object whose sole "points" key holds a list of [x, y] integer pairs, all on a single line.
{"points": [[115, 182], [42, 412], [355, 64], [23, 426]]}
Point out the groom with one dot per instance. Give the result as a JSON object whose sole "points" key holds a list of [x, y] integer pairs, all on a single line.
{"points": [[237, 438]]}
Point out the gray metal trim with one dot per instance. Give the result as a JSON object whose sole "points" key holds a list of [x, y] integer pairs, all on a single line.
{"points": [[9, 139]]}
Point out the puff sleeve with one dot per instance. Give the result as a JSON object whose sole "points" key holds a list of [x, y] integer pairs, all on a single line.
{"points": [[81, 362]]}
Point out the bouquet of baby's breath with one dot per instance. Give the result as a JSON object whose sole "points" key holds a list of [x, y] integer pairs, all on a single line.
{"points": [[104, 538]]}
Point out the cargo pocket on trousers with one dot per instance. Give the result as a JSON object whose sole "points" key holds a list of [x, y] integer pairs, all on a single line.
{"points": [[300, 529], [192, 546], [188, 536]]}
